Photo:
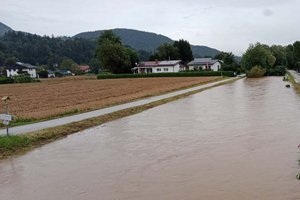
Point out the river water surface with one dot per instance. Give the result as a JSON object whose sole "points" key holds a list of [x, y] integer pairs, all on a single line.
{"points": [[234, 142]]}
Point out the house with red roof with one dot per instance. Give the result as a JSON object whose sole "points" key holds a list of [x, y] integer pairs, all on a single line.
{"points": [[85, 68], [165, 66]]}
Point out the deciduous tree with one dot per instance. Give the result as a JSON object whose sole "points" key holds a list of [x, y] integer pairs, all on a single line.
{"points": [[184, 50]]}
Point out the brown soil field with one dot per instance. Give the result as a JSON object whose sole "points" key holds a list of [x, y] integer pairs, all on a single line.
{"points": [[53, 97]]}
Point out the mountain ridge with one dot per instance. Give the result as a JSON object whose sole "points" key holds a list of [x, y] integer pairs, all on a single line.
{"points": [[4, 28], [147, 41], [139, 40]]}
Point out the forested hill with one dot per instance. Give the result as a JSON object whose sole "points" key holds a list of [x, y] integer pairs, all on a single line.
{"points": [[138, 40], [4, 29], [146, 41], [44, 50]]}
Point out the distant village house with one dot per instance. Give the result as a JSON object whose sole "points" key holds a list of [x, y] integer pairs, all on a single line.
{"points": [[51, 74], [85, 68], [204, 64], [21, 68], [158, 67]]}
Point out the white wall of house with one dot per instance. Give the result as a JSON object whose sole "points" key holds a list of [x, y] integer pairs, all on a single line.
{"points": [[31, 72], [166, 69], [12, 72], [196, 67], [216, 67]]}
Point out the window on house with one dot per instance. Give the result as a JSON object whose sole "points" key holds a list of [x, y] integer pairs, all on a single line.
{"points": [[166, 69], [158, 69]]}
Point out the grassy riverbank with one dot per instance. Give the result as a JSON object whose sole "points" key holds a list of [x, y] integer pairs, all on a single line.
{"points": [[292, 80], [13, 145]]}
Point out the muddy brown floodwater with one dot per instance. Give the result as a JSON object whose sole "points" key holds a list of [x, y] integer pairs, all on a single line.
{"points": [[233, 142]]}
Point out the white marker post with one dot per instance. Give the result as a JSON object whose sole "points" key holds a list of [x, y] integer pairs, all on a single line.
{"points": [[6, 118]]}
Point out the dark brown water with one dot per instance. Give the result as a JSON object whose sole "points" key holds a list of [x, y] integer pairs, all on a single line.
{"points": [[238, 141]]}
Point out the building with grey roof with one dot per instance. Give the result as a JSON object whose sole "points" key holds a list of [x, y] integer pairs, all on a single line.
{"points": [[205, 64]]}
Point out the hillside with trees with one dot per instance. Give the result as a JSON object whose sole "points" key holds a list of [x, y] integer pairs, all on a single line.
{"points": [[145, 42], [38, 50]]}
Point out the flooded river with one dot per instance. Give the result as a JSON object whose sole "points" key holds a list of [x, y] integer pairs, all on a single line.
{"points": [[234, 142]]}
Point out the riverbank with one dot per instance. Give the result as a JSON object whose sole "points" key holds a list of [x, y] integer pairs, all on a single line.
{"points": [[294, 81], [19, 144]]}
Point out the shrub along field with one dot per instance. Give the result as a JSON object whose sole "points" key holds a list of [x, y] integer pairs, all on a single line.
{"points": [[61, 96], [181, 74]]}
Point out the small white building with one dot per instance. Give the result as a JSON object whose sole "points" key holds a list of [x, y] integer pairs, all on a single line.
{"points": [[21, 68], [205, 64], [165, 66], [51, 74]]}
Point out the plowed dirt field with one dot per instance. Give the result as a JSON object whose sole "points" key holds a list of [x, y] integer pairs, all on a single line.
{"points": [[59, 96]]}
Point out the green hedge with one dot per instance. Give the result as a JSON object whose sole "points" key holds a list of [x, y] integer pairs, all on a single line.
{"points": [[179, 74], [6, 80], [24, 79], [18, 79]]}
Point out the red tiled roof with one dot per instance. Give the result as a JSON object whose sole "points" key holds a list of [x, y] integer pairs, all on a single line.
{"points": [[84, 68]]}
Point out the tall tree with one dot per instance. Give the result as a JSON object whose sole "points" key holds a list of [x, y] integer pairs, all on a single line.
{"points": [[226, 57], [280, 54], [257, 55], [290, 56], [167, 51], [229, 62], [112, 54], [297, 51], [184, 50]]}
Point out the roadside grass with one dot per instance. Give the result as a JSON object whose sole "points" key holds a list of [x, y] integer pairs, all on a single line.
{"points": [[292, 80], [20, 144], [19, 121]]}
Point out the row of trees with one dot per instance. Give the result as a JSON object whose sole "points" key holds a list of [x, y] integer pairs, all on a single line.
{"points": [[262, 59]]}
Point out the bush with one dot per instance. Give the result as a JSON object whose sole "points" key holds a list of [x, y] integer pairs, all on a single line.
{"points": [[43, 74], [24, 79], [256, 72], [58, 74], [179, 74], [6, 80]]}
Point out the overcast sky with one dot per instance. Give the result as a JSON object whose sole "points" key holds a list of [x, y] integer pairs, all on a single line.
{"points": [[228, 25]]}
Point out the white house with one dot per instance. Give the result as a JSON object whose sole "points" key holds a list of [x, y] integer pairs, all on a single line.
{"points": [[205, 64], [158, 67], [21, 68]]}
